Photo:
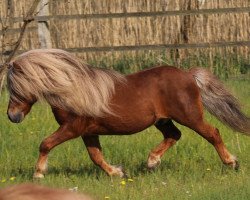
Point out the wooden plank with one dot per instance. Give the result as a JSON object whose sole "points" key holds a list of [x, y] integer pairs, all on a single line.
{"points": [[17, 30], [140, 14], [154, 47], [160, 46]]}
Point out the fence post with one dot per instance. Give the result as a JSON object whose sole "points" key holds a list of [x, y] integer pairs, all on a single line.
{"points": [[43, 26]]}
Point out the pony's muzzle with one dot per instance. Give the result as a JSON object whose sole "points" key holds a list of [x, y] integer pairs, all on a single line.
{"points": [[16, 117]]}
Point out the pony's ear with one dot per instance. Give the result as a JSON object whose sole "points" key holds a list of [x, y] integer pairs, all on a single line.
{"points": [[14, 65]]}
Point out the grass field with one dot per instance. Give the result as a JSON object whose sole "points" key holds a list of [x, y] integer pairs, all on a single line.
{"points": [[190, 170]]}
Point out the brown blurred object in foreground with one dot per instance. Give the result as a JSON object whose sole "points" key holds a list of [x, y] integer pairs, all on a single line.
{"points": [[28, 191]]}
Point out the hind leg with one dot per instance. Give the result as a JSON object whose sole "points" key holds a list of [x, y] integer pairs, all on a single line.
{"points": [[192, 117], [212, 135], [171, 134]]}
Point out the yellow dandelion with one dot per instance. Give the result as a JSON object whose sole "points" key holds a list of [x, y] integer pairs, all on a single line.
{"points": [[4, 180], [130, 180], [123, 182], [12, 178], [106, 197]]}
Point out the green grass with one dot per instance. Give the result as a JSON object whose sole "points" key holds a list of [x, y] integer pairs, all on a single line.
{"points": [[189, 170], [224, 67]]}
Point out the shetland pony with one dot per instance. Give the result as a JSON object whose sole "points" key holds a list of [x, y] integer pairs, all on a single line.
{"points": [[88, 102]]}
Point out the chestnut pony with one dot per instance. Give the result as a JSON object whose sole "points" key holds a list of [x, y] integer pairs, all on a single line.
{"points": [[89, 102]]}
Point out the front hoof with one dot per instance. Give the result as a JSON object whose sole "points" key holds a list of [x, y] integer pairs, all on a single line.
{"points": [[38, 175], [118, 171]]}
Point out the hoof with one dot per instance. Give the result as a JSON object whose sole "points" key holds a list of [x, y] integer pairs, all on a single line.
{"points": [[118, 171], [153, 162], [38, 175], [236, 165]]}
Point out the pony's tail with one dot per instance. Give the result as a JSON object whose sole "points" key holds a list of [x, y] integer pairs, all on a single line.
{"points": [[219, 102]]}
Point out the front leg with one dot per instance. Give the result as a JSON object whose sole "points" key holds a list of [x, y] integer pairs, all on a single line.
{"points": [[95, 152], [61, 135]]}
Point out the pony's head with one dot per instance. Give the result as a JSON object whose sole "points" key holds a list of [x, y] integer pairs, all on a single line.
{"points": [[19, 108], [20, 103]]}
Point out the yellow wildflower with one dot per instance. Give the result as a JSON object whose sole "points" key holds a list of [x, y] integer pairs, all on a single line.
{"points": [[12, 178], [3, 180], [106, 197], [123, 182]]}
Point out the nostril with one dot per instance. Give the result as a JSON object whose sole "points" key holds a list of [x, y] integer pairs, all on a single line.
{"points": [[16, 118]]}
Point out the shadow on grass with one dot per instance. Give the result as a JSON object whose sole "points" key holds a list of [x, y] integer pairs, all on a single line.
{"points": [[89, 171], [177, 168], [141, 169], [86, 171]]}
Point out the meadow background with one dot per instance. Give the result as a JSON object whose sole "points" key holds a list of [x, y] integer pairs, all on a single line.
{"points": [[189, 170]]}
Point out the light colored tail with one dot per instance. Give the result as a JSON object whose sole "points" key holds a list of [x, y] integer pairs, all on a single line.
{"points": [[219, 102]]}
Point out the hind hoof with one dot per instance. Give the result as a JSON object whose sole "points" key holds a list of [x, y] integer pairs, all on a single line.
{"points": [[236, 165], [153, 162]]}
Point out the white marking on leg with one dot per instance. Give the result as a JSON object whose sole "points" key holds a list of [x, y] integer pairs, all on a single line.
{"points": [[41, 168], [153, 161], [234, 162], [44, 166]]}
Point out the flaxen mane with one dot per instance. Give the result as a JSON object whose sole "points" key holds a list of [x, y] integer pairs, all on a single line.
{"points": [[63, 80]]}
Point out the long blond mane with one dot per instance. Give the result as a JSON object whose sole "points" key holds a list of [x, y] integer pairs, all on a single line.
{"points": [[63, 80]]}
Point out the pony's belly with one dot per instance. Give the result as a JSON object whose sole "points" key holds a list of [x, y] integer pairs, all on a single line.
{"points": [[125, 126]]}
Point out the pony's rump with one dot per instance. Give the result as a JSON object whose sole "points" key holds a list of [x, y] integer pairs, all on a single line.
{"points": [[63, 80], [220, 102]]}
